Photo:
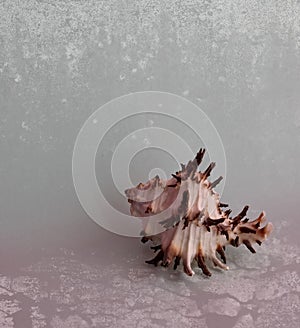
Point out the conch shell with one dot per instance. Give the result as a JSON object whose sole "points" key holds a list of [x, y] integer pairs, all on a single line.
{"points": [[197, 227]]}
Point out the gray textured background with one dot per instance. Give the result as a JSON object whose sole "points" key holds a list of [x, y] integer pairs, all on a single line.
{"points": [[60, 61]]}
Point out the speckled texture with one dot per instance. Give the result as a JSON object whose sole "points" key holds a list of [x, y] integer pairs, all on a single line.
{"points": [[71, 291], [60, 61], [238, 60]]}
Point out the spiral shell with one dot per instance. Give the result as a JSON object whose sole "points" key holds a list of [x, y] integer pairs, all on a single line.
{"points": [[196, 226]]}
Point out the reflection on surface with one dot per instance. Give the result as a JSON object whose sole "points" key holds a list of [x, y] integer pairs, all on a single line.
{"points": [[78, 289]]}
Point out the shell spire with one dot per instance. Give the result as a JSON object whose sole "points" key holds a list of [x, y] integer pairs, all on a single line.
{"points": [[196, 228]]}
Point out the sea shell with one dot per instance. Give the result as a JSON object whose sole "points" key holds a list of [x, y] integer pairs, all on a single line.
{"points": [[196, 226]]}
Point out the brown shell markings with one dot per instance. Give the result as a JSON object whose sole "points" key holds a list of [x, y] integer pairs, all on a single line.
{"points": [[197, 227]]}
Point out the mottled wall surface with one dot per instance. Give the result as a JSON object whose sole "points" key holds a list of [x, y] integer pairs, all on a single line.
{"points": [[239, 61]]}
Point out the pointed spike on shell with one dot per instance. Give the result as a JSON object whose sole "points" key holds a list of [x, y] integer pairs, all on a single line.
{"points": [[207, 172], [265, 231], [218, 263], [202, 265], [156, 259], [187, 269], [249, 246], [176, 177], [221, 252], [242, 214], [176, 262], [261, 219], [200, 155], [211, 222], [236, 220], [246, 230], [227, 212], [216, 182], [223, 205]]}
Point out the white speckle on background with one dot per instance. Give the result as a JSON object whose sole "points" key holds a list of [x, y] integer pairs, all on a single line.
{"points": [[25, 126], [18, 78], [147, 142], [246, 321], [223, 306], [72, 321]]}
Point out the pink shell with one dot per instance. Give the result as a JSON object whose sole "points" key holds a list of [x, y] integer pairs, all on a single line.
{"points": [[197, 228]]}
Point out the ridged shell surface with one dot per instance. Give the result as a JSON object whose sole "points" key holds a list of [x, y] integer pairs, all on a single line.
{"points": [[196, 226]]}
